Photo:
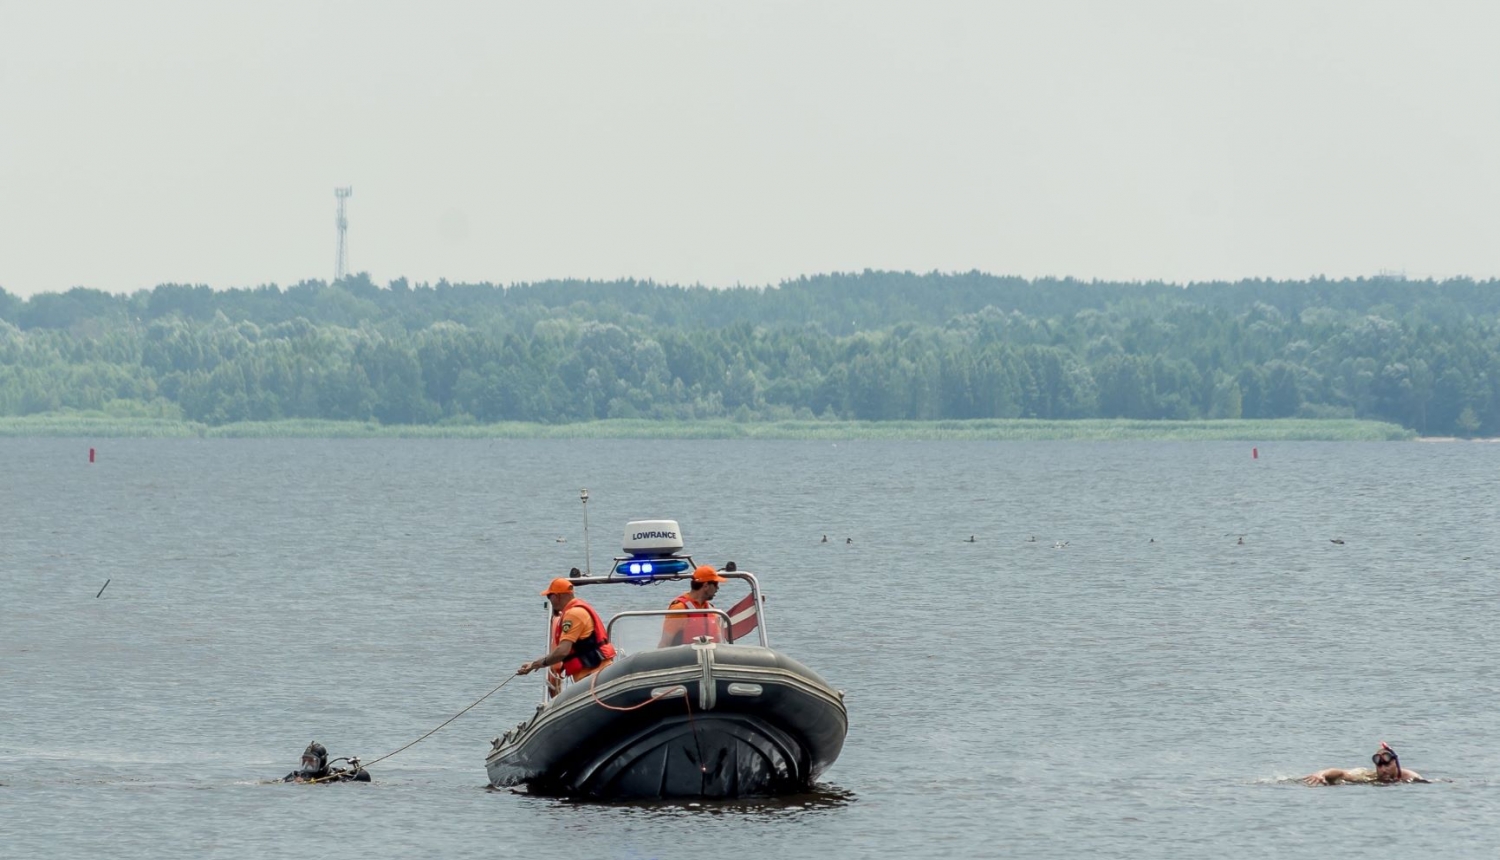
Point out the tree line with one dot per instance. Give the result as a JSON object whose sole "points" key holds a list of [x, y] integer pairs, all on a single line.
{"points": [[872, 346]]}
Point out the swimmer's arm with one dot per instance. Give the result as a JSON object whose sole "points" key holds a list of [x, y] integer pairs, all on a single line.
{"points": [[1412, 776], [1325, 777]]}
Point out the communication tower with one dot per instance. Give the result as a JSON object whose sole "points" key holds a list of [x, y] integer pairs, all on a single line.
{"points": [[341, 265]]}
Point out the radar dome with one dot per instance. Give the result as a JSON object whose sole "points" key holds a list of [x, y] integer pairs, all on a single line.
{"points": [[652, 538]]}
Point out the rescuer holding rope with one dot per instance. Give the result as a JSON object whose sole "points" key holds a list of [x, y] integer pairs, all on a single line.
{"points": [[578, 640]]}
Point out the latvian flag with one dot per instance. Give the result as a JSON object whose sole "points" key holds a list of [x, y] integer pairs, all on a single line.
{"points": [[743, 617]]}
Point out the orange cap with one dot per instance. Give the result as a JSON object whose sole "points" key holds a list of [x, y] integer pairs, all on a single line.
{"points": [[558, 586], [704, 573]]}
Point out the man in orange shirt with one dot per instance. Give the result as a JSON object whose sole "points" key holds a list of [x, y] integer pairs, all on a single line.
{"points": [[578, 640], [683, 629]]}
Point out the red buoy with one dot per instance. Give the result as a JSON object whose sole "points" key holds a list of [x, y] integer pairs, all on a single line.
{"points": [[1255, 453]]}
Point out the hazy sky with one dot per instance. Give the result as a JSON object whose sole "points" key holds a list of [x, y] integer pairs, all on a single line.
{"points": [[148, 141]]}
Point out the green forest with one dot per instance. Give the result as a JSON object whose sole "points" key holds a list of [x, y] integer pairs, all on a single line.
{"points": [[871, 346]]}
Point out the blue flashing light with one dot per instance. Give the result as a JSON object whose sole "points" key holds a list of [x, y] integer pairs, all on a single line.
{"points": [[655, 567]]}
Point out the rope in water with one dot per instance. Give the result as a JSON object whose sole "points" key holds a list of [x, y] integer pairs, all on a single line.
{"points": [[594, 677], [426, 736]]}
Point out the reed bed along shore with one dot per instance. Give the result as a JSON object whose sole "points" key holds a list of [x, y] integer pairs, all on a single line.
{"points": [[1289, 429]]}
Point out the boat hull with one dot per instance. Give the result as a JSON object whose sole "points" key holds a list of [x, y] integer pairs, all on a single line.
{"points": [[694, 721]]}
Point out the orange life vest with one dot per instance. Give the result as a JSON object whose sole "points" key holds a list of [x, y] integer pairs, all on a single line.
{"points": [[694, 626], [588, 653]]}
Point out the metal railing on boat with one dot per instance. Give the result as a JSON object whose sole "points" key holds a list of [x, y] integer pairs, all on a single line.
{"points": [[614, 577], [728, 628]]}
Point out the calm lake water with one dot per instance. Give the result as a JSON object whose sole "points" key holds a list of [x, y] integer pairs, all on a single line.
{"points": [[1133, 682]]}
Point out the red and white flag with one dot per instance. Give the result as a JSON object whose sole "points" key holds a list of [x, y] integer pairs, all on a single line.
{"points": [[743, 617]]}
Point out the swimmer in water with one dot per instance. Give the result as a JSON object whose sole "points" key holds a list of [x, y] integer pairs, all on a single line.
{"points": [[1387, 770]]}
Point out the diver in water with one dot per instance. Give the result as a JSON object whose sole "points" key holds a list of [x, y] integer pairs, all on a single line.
{"points": [[1387, 770], [318, 769]]}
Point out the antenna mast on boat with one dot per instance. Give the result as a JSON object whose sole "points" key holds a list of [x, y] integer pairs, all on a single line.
{"points": [[583, 495]]}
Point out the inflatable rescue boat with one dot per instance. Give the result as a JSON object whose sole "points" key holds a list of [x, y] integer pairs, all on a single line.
{"points": [[723, 715]]}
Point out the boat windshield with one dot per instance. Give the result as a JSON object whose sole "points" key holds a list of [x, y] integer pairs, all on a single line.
{"points": [[633, 632]]}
